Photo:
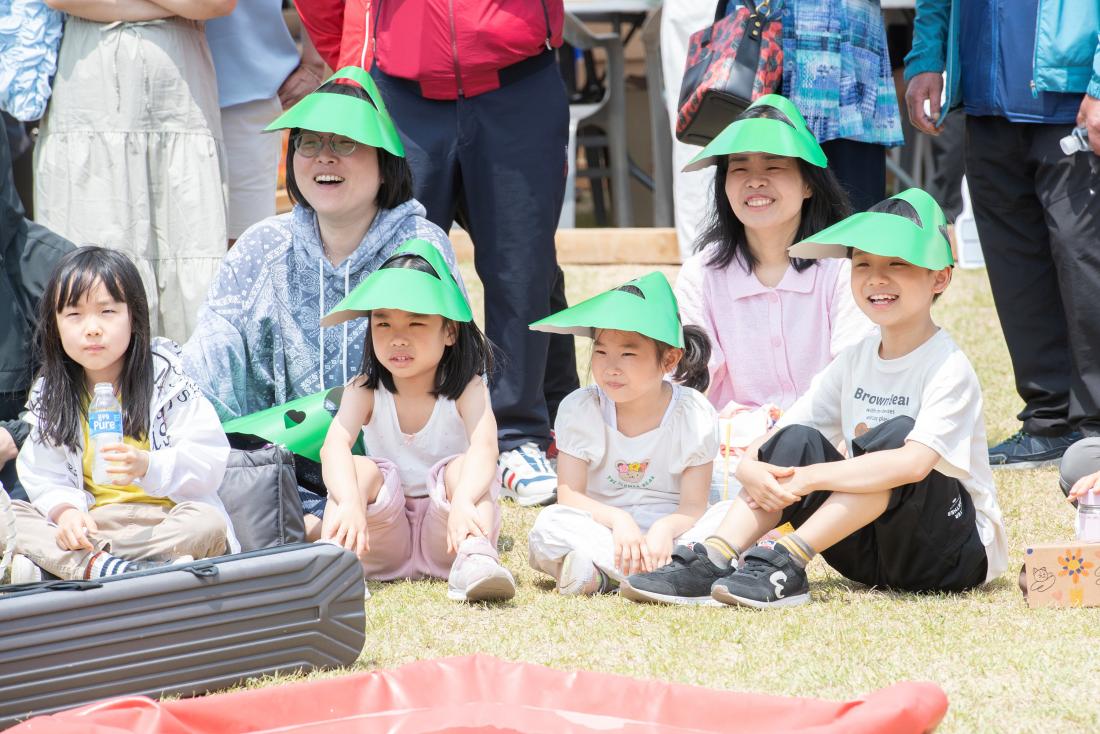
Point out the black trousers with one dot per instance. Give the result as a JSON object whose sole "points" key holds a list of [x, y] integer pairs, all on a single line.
{"points": [[926, 540], [861, 170], [10, 406], [1038, 217]]}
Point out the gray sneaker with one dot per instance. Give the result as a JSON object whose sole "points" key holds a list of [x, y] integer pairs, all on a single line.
{"points": [[479, 577]]}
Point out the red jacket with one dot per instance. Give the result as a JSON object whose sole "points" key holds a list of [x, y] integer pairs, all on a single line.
{"points": [[451, 47]]}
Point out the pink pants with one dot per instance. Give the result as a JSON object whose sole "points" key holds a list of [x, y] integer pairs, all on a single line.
{"points": [[408, 535]]}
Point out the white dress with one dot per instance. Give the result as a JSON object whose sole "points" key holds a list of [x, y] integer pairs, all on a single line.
{"points": [[130, 157]]}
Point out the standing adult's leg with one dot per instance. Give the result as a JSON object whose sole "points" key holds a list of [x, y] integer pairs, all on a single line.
{"points": [[861, 170], [1066, 187], [561, 359], [512, 159], [1013, 228]]}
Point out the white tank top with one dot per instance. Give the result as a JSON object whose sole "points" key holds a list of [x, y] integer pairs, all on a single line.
{"points": [[414, 454]]}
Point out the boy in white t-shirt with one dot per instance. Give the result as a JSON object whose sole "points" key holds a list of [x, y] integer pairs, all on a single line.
{"points": [[913, 506]]}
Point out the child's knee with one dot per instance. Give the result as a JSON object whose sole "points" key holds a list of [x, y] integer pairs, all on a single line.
{"points": [[1081, 459], [206, 529], [886, 436]]}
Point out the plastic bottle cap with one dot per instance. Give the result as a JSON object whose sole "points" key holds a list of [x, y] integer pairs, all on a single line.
{"points": [[104, 387]]}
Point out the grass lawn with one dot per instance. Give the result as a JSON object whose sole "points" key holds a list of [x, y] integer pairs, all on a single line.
{"points": [[1005, 668]]}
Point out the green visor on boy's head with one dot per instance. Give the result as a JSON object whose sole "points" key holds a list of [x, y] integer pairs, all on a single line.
{"points": [[399, 284], [300, 424], [645, 305], [363, 120], [771, 124], [910, 226]]}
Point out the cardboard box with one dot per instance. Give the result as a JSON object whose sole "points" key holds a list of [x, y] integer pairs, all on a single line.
{"points": [[1063, 574]]}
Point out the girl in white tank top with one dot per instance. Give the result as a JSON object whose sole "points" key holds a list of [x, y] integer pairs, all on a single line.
{"points": [[424, 503]]}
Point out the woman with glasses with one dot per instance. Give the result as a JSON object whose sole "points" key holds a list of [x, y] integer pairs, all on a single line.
{"points": [[259, 341]]}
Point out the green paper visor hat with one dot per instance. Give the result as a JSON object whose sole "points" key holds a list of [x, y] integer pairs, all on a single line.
{"points": [[300, 425], [645, 305], [771, 124], [406, 289], [909, 225], [363, 121]]}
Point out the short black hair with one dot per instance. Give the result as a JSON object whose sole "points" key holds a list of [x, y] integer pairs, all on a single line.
{"points": [[397, 182], [469, 356]]}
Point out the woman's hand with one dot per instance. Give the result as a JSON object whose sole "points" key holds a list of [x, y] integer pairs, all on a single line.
{"points": [[346, 525], [125, 463], [631, 552], [463, 522], [760, 481], [659, 540], [73, 527]]}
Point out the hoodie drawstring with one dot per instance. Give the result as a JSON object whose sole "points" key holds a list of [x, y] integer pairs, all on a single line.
{"points": [[321, 314], [347, 277]]}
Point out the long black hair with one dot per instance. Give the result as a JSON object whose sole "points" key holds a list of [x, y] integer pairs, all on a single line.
{"points": [[827, 205], [62, 402], [396, 187], [469, 356]]}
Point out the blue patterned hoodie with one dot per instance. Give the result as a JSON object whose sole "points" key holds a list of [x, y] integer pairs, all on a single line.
{"points": [[259, 342]]}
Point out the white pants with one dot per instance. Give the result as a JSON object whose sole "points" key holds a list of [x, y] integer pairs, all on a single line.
{"points": [[560, 529], [253, 158], [691, 192]]}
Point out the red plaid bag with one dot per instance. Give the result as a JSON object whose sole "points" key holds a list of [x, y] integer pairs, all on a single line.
{"points": [[736, 60]]}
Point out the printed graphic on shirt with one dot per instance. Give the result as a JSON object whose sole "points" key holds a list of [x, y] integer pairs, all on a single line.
{"points": [[631, 473], [956, 510], [875, 408]]}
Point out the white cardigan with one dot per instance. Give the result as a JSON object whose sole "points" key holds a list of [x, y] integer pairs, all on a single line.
{"points": [[187, 456]]}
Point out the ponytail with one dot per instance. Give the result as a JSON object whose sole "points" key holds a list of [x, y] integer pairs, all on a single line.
{"points": [[693, 368]]}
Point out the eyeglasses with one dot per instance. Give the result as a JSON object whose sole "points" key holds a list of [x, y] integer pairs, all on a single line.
{"points": [[310, 144]]}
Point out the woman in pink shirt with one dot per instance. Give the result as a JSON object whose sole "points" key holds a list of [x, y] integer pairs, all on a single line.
{"points": [[774, 321]]}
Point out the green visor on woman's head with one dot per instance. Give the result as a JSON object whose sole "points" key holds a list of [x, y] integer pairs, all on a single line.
{"points": [[909, 225], [403, 283], [363, 120], [645, 305], [771, 124]]}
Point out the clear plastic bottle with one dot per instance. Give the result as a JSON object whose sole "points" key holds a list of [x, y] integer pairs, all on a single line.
{"points": [[104, 427], [1088, 518], [7, 534]]}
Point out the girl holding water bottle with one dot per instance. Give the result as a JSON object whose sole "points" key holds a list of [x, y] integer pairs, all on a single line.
{"points": [[125, 455]]}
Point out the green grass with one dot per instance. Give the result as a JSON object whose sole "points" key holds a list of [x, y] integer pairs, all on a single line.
{"points": [[1005, 668]]}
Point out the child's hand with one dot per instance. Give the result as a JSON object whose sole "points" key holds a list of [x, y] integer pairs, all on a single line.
{"points": [[760, 481], [125, 463], [1084, 485], [463, 522], [631, 552], [73, 527], [659, 541], [346, 525]]}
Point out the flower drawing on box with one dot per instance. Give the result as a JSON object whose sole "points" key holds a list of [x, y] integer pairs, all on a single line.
{"points": [[1074, 565]]}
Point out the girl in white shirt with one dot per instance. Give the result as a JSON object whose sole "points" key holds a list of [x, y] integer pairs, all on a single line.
{"points": [[425, 503], [635, 450]]}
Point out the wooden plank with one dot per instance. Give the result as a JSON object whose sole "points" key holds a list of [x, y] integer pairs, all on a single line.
{"points": [[601, 246]]}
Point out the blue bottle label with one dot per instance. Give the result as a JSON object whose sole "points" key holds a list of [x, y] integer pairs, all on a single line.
{"points": [[105, 421]]}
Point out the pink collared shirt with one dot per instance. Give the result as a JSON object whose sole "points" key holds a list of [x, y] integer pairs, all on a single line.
{"points": [[768, 343]]}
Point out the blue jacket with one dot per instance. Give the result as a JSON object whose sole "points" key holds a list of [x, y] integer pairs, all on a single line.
{"points": [[1066, 57]]}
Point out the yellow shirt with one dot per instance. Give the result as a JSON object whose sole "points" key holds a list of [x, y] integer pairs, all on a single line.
{"points": [[108, 494]]}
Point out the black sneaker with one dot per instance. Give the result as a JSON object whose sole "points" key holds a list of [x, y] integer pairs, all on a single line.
{"points": [[685, 580], [765, 577], [1023, 450]]}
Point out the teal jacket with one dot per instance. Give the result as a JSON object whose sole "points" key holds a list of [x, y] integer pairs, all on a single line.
{"points": [[1066, 54]]}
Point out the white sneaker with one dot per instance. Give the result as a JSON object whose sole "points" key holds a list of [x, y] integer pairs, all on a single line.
{"points": [[526, 476], [579, 576], [478, 577], [23, 570]]}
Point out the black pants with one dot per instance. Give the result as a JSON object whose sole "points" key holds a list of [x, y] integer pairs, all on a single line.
{"points": [[861, 170], [497, 162], [926, 540], [1038, 218], [10, 406]]}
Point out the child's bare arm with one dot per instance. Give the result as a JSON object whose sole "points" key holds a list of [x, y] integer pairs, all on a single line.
{"points": [[694, 488], [337, 465], [876, 471], [479, 468]]}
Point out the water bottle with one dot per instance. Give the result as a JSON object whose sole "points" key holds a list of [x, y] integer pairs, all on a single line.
{"points": [[7, 533], [104, 426], [1076, 142], [1088, 518]]}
